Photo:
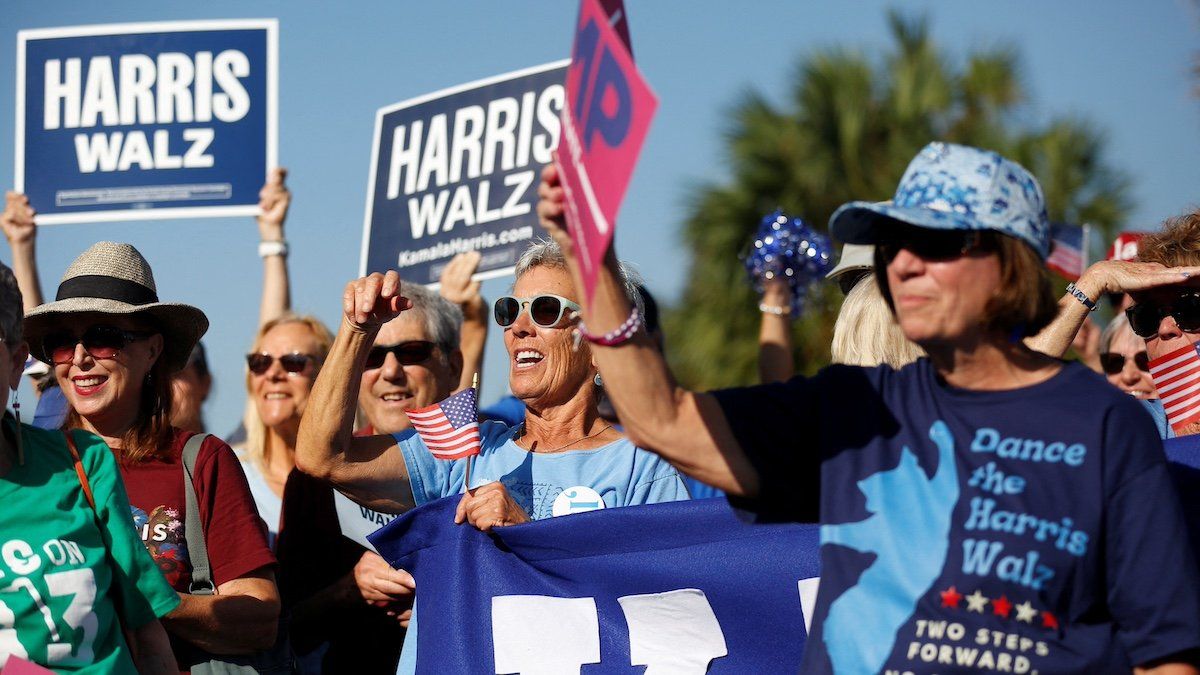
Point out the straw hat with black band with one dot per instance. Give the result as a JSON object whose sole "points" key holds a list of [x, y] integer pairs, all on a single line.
{"points": [[111, 278]]}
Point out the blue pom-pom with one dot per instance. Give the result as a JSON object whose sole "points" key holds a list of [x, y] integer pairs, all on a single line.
{"points": [[787, 247]]}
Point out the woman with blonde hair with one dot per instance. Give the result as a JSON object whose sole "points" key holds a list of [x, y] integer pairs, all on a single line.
{"points": [[866, 333]]}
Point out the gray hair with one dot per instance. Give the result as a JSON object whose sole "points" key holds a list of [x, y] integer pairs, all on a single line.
{"points": [[443, 319], [546, 253], [12, 311]]}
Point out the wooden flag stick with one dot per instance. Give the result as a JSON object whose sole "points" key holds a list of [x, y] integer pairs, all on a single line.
{"points": [[471, 459]]}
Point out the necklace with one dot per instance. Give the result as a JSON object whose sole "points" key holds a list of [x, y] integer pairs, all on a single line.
{"points": [[521, 436]]}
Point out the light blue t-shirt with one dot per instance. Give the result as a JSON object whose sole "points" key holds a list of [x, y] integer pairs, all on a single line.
{"points": [[621, 473]]}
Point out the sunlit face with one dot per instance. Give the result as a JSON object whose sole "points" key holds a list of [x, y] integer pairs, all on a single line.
{"points": [[942, 302], [389, 390], [279, 396], [1169, 337], [107, 391], [1130, 379], [544, 369]]}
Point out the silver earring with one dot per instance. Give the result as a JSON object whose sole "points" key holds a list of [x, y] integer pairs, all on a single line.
{"points": [[598, 380]]}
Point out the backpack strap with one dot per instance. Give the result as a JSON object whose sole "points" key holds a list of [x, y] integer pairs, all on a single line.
{"points": [[83, 479], [193, 527]]}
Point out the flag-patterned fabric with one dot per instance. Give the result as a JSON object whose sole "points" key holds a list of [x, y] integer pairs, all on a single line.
{"points": [[1066, 250], [1177, 378], [450, 429]]}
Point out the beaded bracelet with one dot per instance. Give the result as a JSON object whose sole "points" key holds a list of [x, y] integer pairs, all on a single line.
{"points": [[617, 336], [1081, 297]]}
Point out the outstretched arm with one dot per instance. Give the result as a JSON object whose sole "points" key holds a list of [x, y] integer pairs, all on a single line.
{"points": [[273, 202], [369, 470], [457, 287], [1102, 278], [687, 429], [21, 233]]}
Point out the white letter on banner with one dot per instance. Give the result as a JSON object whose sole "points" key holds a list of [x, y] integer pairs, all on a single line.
{"points": [[673, 633], [468, 129], [195, 157], [98, 151], [544, 635], [501, 133], [228, 67], [175, 74], [808, 600], [525, 130], [548, 108], [204, 84], [137, 100], [433, 160], [56, 89], [99, 94], [404, 157]]}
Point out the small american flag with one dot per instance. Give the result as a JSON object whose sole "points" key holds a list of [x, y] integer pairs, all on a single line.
{"points": [[1177, 378], [1066, 251], [450, 429]]}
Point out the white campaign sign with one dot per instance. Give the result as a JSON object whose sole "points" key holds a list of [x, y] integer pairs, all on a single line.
{"points": [[358, 521]]}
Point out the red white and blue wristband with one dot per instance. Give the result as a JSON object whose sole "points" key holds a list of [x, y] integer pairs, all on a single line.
{"points": [[617, 336]]}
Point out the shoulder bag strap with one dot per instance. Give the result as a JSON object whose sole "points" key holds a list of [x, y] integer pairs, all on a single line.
{"points": [[193, 527], [83, 479]]}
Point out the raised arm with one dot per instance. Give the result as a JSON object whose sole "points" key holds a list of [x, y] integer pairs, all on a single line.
{"points": [[687, 429], [457, 287], [21, 233], [1102, 278], [370, 470], [273, 202], [775, 335]]}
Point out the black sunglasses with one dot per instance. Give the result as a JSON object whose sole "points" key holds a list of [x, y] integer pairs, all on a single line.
{"points": [[546, 310], [407, 353], [294, 363], [1145, 317], [1113, 363], [100, 342], [929, 244]]}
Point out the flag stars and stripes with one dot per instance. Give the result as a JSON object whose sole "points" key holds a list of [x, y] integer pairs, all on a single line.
{"points": [[1177, 378], [450, 429]]}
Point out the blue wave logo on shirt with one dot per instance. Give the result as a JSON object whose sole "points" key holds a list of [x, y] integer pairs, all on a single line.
{"points": [[909, 533]]}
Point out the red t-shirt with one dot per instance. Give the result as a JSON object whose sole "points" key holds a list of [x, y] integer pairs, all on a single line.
{"points": [[234, 533]]}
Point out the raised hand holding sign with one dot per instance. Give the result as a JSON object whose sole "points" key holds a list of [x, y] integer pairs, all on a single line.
{"points": [[604, 122]]}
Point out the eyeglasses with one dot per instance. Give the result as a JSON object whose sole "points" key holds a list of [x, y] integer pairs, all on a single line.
{"points": [[1113, 363], [929, 244], [294, 363], [1145, 317], [100, 342], [546, 310], [407, 353]]}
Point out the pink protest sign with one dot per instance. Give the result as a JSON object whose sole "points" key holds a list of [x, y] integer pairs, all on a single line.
{"points": [[605, 120], [19, 666]]}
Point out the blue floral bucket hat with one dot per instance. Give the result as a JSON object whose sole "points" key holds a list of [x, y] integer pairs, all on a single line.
{"points": [[955, 187]]}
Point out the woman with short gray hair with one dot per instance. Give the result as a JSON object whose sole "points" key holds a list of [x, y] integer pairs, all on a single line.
{"points": [[565, 458]]}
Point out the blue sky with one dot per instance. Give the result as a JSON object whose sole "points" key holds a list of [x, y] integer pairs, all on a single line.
{"points": [[1124, 66]]}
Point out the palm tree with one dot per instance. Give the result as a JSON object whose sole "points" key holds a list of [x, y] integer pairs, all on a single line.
{"points": [[850, 128]]}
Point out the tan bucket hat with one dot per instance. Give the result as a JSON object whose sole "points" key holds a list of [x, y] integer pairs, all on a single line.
{"points": [[111, 278]]}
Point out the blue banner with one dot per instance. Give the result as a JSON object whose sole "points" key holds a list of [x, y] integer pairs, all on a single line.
{"points": [[154, 120], [674, 586], [457, 171]]}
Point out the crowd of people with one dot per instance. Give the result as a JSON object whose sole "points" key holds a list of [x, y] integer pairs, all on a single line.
{"points": [[948, 428]]}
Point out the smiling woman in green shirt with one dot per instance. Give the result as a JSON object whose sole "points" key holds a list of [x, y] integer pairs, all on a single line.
{"points": [[75, 579]]}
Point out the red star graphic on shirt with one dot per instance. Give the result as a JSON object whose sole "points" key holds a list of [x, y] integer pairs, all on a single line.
{"points": [[1049, 620], [950, 597], [1001, 606]]}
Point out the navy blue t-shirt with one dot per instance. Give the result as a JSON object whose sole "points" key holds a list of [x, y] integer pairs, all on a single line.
{"points": [[1029, 530]]}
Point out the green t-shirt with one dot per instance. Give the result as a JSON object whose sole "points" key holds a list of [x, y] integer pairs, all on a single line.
{"points": [[62, 578]]}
